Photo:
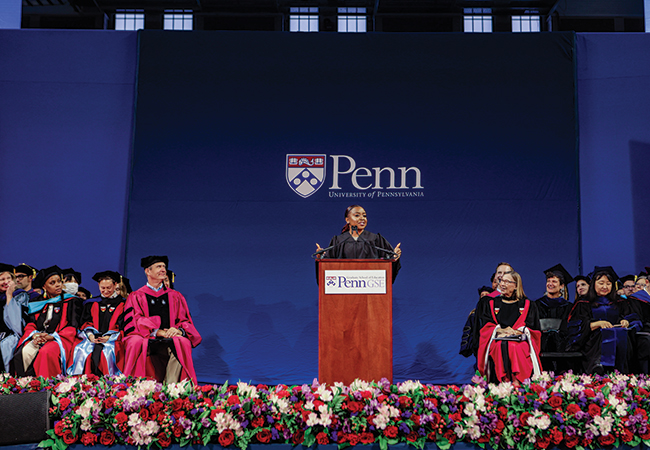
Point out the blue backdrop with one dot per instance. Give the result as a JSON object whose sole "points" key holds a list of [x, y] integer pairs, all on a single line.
{"points": [[484, 127]]}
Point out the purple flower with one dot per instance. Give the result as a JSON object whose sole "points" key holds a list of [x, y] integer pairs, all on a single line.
{"points": [[205, 422], [404, 428], [274, 434], [589, 434]]}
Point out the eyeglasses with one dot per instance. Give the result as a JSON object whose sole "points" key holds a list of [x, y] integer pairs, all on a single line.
{"points": [[628, 287], [21, 276], [507, 281]]}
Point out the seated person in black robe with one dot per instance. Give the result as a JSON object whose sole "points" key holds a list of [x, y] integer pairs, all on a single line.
{"points": [[554, 305], [600, 325], [355, 242]]}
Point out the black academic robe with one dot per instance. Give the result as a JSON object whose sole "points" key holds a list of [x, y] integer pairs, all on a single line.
{"points": [[640, 304], [602, 347], [367, 246], [554, 308]]}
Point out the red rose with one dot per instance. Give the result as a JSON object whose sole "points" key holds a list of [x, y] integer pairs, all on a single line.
{"points": [[590, 393], [645, 436], [483, 438], [178, 414], [593, 410], [606, 440], [121, 418], [262, 387], [120, 394], [543, 442], [109, 402], [391, 432], [353, 439], [366, 438], [435, 419], [572, 409], [432, 436], [58, 428], [500, 426], [523, 418], [416, 419], [627, 435], [263, 436], [503, 412], [226, 438], [571, 441], [177, 430], [107, 438], [317, 404], [88, 439], [177, 404], [355, 406], [69, 438], [257, 422], [405, 401], [298, 437], [555, 401], [156, 407], [64, 403], [366, 394], [144, 414], [381, 398], [556, 436], [586, 442], [412, 436], [450, 436], [35, 385], [322, 438], [12, 382], [164, 440]]}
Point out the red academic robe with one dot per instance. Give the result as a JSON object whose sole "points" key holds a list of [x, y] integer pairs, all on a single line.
{"points": [[138, 333], [48, 362], [523, 355]]}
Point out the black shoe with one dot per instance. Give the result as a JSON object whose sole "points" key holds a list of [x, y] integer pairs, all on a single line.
{"points": [[598, 369]]}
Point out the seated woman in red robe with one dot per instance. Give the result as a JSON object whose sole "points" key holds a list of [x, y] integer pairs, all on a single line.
{"points": [[510, 334], [100, 350], [48, 339]]}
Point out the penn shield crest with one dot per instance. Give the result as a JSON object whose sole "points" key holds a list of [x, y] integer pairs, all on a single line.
{"points": [[305, 173]]}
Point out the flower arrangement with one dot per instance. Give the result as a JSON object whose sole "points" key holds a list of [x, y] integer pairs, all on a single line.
{"points": [[570, 411]]}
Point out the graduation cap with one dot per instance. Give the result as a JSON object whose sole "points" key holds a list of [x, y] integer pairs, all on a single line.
{"points": [[107, 274], [642, 274], [44, 275], [583, 278], [559, 271], [26, 269], [6, 268], [71, 271], [487, 289], [609, 270], [628, 278], [85, 291], [171, 275], [149, 261]]}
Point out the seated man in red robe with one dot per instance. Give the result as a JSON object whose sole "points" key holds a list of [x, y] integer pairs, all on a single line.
{"points": [[160, 337]]}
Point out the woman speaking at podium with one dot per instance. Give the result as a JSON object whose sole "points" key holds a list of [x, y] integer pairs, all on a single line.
{"points": [[355, 242]]}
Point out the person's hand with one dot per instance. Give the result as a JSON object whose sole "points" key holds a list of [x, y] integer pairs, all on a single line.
{"points": [[318, 249], [173, 332], [625, 323], [91, 338], [604, 324], [11, 287], [101, 339], [161, 333], [398, 251]]}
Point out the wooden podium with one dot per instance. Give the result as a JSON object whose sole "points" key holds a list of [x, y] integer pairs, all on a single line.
{"points": [[355, 331]]}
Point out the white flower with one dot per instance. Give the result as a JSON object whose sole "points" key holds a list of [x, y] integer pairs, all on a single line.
{"points": [[24, 382], [174, 390], [360, 385], [87, 407], [474, 432], [460, 432], [380, 421], [409, 386], [86, 425], [64, 386], [246, 390], [604, 424], [501, 390], [134, 419], [539, 420], [324, 393]]}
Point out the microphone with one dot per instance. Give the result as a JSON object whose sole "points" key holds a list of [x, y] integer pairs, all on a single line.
{"points": [[322, 250]]}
